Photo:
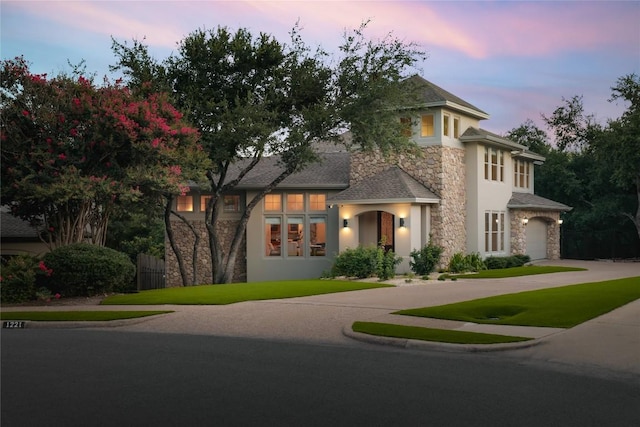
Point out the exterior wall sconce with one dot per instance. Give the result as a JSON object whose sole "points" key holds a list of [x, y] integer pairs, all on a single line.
{"points": [[401, 222], [525, 220], [345, 223], [560, 222]]}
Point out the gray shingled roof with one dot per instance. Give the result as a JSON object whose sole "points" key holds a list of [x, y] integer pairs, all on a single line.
{"points": [[12, 227], [331, 172], [434, 94], [392, 185], [531, 201], [474, 134]]}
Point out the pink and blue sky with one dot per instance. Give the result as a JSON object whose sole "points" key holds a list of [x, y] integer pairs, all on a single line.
{"points": [[512, 59]]}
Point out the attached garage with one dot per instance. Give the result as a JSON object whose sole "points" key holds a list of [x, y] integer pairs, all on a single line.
{"points": [[537, 239]]}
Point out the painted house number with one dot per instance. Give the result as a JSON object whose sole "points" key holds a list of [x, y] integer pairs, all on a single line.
{"points": [[13, 324]]}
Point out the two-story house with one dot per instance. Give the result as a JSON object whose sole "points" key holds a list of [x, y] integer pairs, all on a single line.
{"points": [[469, 191]]}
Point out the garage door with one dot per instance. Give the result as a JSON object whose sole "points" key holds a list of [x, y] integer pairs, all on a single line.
{"points": [[537, 239]]}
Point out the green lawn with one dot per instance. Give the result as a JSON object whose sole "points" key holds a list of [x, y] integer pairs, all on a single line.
{"points": [[429, 334], [526, 270], [76, 315], [238, 292], [561, 307]]}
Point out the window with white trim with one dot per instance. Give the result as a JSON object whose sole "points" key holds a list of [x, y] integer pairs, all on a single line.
{"points": [[494, 231], [445, 125], [426, 126], [493, 164], [521, 171], [456, 127]]}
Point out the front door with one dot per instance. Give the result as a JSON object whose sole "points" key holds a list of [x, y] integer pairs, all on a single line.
{"points": [[385, 230]]}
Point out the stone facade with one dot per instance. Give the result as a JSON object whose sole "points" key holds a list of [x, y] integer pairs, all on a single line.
{"points": [[442, 170], [519, 231], [184, 241]]}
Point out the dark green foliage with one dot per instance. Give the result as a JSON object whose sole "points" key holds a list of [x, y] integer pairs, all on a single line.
{"points": [[460, 263], [424, 261], [18, 279], [84, 269], [494, 263], [364, 262], [386, 264], [359, 262]]}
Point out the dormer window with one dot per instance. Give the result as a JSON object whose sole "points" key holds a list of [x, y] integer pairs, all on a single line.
{"points": [[426, 128]]}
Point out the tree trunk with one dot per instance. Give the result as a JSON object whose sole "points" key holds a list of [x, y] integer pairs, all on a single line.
{"points": [[196, 245], [172, 242]]}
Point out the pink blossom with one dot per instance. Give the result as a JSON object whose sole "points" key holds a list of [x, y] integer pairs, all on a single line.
{"points": [[73, 132], [25, 113], [62, 156], [76, 102], [155, 142], [176, 169]]}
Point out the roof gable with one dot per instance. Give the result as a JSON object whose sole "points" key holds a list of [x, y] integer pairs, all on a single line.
{"points": [[435, 96], [392, 185]]}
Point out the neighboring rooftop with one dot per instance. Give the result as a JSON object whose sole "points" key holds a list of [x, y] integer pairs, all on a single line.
{"points": [[12, 227]]}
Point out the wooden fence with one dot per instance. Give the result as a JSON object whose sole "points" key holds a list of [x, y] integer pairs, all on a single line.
{"points": [[151, 272]]}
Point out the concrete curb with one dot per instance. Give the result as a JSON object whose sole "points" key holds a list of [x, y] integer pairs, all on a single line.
{"points": [[79, 324], [347, 331]]}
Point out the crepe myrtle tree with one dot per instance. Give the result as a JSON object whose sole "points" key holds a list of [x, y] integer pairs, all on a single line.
{"points": [[252, 96], [72, 152]]}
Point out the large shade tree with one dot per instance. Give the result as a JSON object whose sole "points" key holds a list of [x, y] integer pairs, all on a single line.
{"points": [[72, 152], [252, 96], [594, 168]]}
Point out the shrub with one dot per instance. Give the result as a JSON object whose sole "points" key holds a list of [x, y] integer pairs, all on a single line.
{"points": [[366, 262], [425, 260], [460, 263], [84, 269], [494, 263], [359, 262], [386, 262], [18, 279]]}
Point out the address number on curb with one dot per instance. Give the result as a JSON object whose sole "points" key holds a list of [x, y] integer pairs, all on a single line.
{"points": [[13, 324]]}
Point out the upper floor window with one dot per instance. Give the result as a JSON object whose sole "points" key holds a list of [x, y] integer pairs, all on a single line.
{"points": [[185, 204], [317, 202], [456, 127], [493, 164], [295, 202], [405, 125], [273, 202], [426, 126], [446, 125], [521, 171]]}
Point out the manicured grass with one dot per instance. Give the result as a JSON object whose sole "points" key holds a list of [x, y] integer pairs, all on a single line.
{"points": [[49, 316], [561, 307], [526, 270], [429, 334], [237, 292]]}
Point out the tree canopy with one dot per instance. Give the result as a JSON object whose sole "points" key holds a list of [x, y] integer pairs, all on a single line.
{"points": [[72, 152], [595, 169], [252, 96]]}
